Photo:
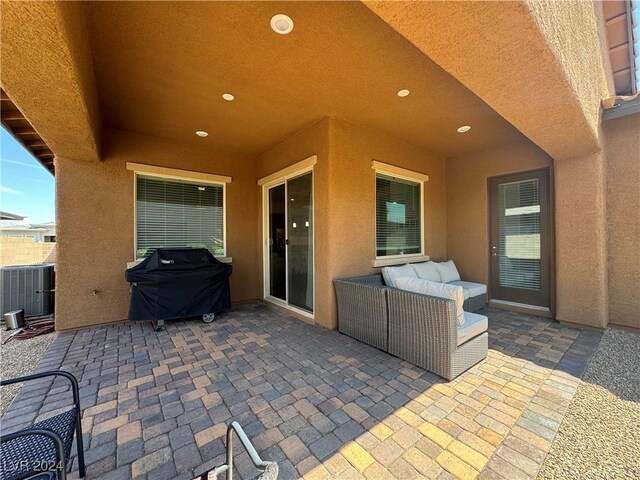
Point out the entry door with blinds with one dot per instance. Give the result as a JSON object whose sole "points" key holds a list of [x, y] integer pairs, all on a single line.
{"points": [[520, 238]]}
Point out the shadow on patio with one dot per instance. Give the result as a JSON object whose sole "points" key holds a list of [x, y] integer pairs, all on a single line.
{"points": [[321, 404]]}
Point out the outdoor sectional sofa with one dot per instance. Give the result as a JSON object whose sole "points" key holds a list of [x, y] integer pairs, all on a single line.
{"points": [[421, 329], [475, 294]]}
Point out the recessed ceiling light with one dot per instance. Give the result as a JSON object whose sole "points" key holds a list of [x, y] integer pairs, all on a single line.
{"points": [[464, 129], [403, 93], [201, 133], [228, 97], [281, 24]]}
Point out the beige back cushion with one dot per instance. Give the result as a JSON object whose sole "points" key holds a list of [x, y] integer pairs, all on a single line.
{"points": [[435, 289], [391, 274], [448, 271], [427, 271]]}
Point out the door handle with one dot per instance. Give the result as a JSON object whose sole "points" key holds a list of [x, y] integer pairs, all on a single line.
{"points": [[494, 251]]}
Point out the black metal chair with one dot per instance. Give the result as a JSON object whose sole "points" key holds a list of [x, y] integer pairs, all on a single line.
{"points": [[44, 446]]}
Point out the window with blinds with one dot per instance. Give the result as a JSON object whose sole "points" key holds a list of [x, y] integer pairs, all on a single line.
{"points": [[174, 213], [519, 234], [398, 216]]}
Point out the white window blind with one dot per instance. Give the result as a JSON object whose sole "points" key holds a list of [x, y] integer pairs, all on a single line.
{"points": [[519, 234], [398, 216], [174, 213]]}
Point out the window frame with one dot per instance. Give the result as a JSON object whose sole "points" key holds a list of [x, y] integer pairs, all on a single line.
{"points": [[180, 176], [407, 175]]}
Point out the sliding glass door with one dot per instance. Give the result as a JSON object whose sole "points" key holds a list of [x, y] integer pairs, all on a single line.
{"points": [[277, 243], [289, 230]]}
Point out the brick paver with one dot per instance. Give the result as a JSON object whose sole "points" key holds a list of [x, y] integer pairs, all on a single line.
{"points": [[156, 404]]}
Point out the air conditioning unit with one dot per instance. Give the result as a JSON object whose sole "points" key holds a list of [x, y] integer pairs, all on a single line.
{"points": [[29, 288]]}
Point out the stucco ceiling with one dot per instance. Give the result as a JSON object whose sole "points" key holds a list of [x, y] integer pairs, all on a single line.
{"points": [[161, 69]]}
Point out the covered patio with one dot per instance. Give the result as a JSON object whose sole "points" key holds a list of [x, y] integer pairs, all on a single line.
{"points": [[371, 135], [156, 404]]}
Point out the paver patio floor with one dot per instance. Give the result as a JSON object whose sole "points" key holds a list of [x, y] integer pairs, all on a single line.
{"points": [[321, 404]]}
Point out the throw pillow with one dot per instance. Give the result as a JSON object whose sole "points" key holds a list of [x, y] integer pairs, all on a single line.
{"points": [[448, 271], [427, 271], [391, 274]]}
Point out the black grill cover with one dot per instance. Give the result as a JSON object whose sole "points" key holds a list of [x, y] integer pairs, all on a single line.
{"points": [[178, 283]]}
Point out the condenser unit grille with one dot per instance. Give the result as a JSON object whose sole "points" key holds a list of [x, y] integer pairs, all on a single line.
{"points": [[28, 288]]}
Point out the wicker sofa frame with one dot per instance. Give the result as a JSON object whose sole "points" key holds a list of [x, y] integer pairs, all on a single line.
{"points": [[362, 309], [418, 328]]}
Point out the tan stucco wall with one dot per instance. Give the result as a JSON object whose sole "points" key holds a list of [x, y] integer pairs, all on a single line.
{"points": [[580, 180], [579, 200], [344, 185], [352, 198], [578, 48], [515, 56], [312, 140], [581, 270], [539, 64], [95, 216], [519, 57], [48, 73], [468, 201], [622, 139], [25, 251], [95, 205]]}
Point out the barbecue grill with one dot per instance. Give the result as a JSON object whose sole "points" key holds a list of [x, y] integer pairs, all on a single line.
{"points": [[174, 283]]}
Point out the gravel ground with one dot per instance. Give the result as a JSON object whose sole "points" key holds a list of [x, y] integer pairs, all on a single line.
{"points": [[599, 437], [19, 357]]}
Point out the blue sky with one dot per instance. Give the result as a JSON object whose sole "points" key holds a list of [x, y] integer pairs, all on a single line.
{"points": [[25, 186]]}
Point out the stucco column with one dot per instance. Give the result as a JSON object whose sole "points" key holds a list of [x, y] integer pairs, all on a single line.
{"points": [[622, 139], [581, 257]]}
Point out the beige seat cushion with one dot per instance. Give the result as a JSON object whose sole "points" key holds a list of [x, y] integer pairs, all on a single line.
{"points": [[473, 326], [470, 289]]}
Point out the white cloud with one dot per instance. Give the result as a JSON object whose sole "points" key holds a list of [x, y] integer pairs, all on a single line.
{"points": [[48, 182], [22, 164], [10, 191]]}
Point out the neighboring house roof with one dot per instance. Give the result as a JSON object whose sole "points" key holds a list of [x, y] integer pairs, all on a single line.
{"points": [[6, 224], [19, 225], [11, 216], [23, 229], [621, 20]]}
